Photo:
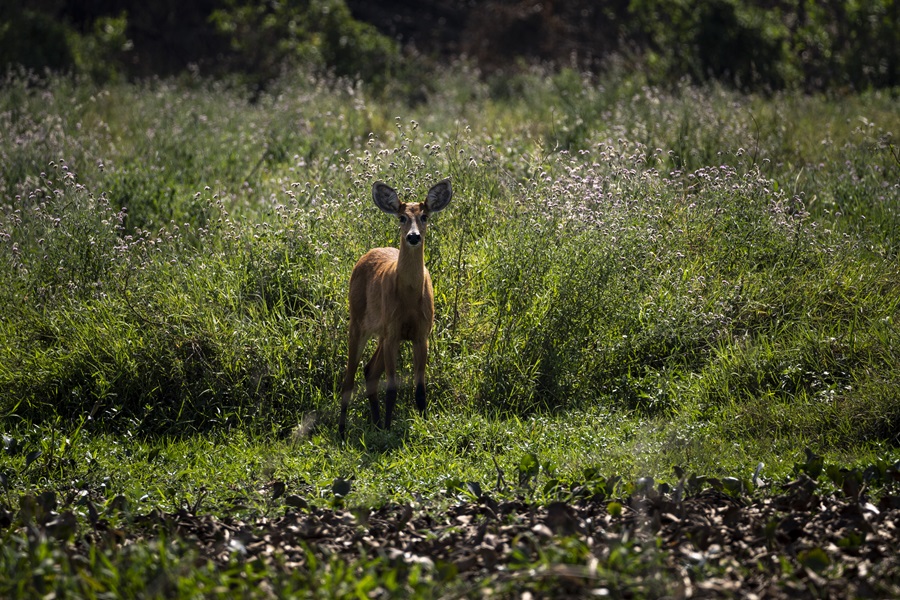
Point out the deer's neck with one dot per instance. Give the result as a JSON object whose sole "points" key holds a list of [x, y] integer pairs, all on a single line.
{"points": [[411, 267]]}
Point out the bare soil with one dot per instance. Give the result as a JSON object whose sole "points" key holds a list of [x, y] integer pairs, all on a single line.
{"points": [[791, 545]]}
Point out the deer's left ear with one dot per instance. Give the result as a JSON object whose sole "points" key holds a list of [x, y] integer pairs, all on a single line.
{"points": [[385, 198], [439, 196]]}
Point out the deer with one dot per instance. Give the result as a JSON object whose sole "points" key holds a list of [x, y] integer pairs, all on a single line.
{"points": [[391, 296]]}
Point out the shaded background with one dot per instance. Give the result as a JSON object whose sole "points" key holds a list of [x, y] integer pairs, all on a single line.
{"points": [[765, 45]]}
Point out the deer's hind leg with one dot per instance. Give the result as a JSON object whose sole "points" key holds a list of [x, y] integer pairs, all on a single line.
{"points": [[373, 370], [389, 350], [355, 345]]}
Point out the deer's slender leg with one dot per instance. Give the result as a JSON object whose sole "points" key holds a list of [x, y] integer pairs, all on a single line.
{"points": [[355, 346], [389, 357], [373, 370], [420, 357]]}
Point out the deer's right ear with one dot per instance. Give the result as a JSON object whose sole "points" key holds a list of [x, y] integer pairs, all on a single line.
{"points": [[385, 198], [439, 196]]}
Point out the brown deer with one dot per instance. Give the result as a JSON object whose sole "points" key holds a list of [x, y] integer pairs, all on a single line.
{"points": [[391, 297]]}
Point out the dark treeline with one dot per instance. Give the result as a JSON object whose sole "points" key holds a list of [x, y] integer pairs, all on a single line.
{"points": [[767, 44], [110, 39], [753, 45]]}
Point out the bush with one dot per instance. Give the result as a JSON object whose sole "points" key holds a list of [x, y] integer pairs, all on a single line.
{"points": [[268, 37], [257, 40], [725, 40], [32, 40]]}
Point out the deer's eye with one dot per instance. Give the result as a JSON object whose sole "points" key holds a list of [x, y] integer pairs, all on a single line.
{"points": [[424, 218], [403, 218]]}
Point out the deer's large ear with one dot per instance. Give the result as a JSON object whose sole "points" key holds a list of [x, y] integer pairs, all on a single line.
{"points": [[385, 198], [439, 196]]}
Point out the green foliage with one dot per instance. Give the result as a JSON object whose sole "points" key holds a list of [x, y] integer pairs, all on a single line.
{"points": [[35, 41], [725, 40], [32, 40], [783, 44], [629, 279], [267, 37], [847, 43], [116, 516], [795, 43], [191, 274], [257, 41], [102, 53]]}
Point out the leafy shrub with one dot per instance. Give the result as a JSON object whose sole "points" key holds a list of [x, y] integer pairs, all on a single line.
{"points": [[839, 43], [726, 40], [102, 53], [256, 40], [266, 37], [762, 47], [32, 40]]}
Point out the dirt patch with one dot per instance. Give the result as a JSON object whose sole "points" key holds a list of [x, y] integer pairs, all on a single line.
{"points": [[796, 544], [803, 539]]}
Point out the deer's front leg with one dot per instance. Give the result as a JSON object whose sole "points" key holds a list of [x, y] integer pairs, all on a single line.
{"points": [[389, 352], [420, 357]]}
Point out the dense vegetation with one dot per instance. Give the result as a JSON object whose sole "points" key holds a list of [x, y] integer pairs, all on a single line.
{"points": [[179, 258], [760, 46], [666, 351], [629, 280]]}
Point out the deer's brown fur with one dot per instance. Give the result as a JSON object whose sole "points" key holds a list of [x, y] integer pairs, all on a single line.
{"points": [[391, 297]]}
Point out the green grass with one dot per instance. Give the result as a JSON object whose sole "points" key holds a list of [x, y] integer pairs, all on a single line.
{"points": [[628, 280]]}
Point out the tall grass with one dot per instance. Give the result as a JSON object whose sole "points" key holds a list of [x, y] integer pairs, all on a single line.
{"points": [[175, 258]]}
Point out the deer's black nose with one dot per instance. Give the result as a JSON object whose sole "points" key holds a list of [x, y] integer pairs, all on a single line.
{"points": [[413, 239]]}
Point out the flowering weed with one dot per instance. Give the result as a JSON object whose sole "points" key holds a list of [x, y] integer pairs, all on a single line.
{"points": [[175, 258]]}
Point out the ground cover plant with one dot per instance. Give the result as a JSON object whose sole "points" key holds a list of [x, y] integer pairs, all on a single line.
{"points": [[653, 307]]}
